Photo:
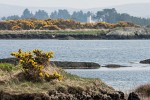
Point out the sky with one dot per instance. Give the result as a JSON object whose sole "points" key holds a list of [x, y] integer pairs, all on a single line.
{"points": [[71, 3]]}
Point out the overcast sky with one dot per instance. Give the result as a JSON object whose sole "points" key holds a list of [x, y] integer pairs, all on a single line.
{"points": [[71, 3]]}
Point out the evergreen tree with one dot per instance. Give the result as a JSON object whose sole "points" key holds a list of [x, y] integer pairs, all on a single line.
{"points": [[41, 14], [26, 14]]}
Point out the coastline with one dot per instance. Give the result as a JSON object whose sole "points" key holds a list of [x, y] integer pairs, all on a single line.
{"points": [[86, 34]]}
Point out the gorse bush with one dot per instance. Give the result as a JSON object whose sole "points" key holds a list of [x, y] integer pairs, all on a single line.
{"points": [[33, 64], [59, 24]]}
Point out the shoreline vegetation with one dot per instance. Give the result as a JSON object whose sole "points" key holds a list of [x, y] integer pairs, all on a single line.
{"points": [[81, 34], [70, 30]]}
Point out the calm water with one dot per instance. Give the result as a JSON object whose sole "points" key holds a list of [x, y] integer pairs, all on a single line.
{"points": [[124, 52]]}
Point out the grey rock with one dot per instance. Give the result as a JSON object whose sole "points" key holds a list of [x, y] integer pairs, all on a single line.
{"points": [[147, 61], [62, 64], [133, 96], [114, 66]]}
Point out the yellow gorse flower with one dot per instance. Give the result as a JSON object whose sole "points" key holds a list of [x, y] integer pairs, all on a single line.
{"points": [[41, 74], [35, 61]]}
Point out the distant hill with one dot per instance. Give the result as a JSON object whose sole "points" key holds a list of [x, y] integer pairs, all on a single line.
{"points": [[139, 10]]}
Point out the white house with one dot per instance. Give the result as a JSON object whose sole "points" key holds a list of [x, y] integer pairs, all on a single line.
{"points": [[89, 19]]}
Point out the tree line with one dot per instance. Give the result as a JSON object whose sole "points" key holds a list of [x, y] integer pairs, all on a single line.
{"points": [[106, 15]]}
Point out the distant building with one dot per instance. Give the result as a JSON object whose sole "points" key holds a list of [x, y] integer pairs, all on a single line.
{"points": [[89, 19]]}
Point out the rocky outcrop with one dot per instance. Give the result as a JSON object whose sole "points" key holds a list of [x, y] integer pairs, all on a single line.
{"points": [[72, 93], [114, 66], [147, 61], [76, 65], [23, 96], [130, 33], [62, 64], [133, 96]]}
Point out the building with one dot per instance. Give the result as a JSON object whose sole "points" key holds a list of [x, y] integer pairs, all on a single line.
{"points": [[89, 19]]}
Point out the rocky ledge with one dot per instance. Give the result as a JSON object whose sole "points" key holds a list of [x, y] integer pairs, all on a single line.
{"points": [[62, 64], [114, 66], [72, 93], [147, 61]]}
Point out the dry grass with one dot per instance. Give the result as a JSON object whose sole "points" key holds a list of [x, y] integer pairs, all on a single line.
{"points": [[144, 91], [14, 85]]}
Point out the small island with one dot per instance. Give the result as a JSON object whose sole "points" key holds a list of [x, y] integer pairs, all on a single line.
{"points": [[70, 30]]}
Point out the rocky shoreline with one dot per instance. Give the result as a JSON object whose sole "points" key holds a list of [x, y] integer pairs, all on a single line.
{"points": [[72, 93], [111, 34], [62, 64], [71, 88]]}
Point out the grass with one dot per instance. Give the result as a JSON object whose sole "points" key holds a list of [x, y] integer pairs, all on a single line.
{"points": [[58, 32], [7, 67], [143, 90], [12, 84]]}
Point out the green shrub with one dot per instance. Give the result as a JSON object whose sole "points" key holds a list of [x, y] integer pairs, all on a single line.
{"points": [[7, 67]]}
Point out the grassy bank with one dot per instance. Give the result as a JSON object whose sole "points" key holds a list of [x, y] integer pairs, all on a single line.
{"points": [[71, 86], [143, 91], [57, 32]]}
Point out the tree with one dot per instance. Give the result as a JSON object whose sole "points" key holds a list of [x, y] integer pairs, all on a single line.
{"points": [[54, 15], [79, 16], [26, 14], [41, 14], [64, 14], [3, 18]]}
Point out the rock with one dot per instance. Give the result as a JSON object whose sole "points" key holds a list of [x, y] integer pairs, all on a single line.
{"points": [[62, 64], [133, 96], [59, 96], [114, 66], [75, 65], [24, 96], [147, 61], [121, 95]]}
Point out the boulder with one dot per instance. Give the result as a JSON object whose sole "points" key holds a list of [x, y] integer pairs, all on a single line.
{"points": [[75, 65], [114, 66], [147, 61], [133, 96]]}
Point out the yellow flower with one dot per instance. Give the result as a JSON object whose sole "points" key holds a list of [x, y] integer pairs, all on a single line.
{"points": [[41, 74], [21, 61], [60, 78], [40, 68], [55, 73], [13, 53], [19, 51], [47, 75]]}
